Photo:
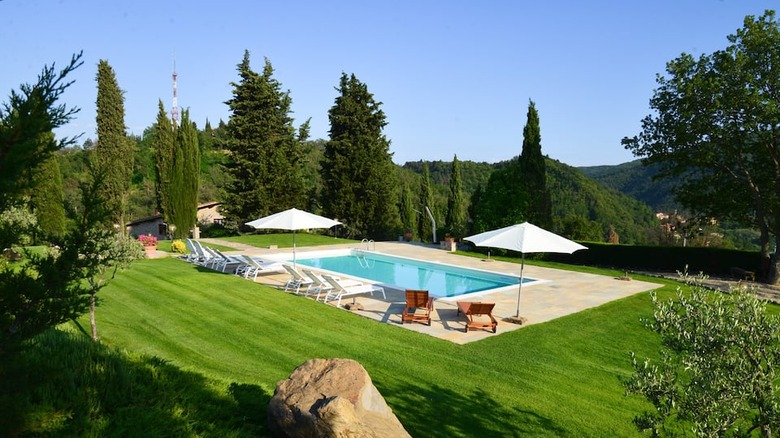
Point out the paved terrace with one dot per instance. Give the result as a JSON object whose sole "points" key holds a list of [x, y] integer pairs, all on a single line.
{"points": [[560, 293]]}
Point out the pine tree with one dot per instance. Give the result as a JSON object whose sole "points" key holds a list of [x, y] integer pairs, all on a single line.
{"points": [[456, 210], [359, 180], [114, 151], [30, 113], [264, 161], [533, 172], [424, 224]]}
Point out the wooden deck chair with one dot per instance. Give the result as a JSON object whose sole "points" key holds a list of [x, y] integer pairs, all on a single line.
{"points": [[478, 315], [341, 290], [419, 306], [296, 280]]}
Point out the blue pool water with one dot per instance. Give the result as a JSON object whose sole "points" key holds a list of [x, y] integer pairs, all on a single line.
{"points": [[440, 280]]}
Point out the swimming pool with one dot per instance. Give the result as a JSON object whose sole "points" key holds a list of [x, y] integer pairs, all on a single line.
{"points": [[404, 273]]}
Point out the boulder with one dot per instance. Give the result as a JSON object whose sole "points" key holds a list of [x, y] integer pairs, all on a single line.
{"points": [[331, 398]]}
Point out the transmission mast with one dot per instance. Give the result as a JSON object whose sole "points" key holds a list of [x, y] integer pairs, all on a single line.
{"points": [[175, 107]]}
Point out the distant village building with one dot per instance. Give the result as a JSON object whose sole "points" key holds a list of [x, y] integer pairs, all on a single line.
{"points": [[208, 213]]}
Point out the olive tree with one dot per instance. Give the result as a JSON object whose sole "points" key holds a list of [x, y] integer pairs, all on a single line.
{"points": [[716, 371]]}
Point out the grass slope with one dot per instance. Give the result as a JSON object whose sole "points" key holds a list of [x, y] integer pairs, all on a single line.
{"points": [[555, 379]]}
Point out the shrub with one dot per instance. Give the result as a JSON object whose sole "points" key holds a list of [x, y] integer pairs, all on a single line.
{"points": [[178, 246]]}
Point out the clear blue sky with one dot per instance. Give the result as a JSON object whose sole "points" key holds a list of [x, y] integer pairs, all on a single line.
{"points": [[455, 77]]}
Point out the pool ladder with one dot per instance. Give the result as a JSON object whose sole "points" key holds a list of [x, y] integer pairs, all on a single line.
{"points": [[369, 244], [363, 261]]}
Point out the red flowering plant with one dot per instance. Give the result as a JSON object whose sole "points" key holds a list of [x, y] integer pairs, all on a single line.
{"points": [[147, 240]]}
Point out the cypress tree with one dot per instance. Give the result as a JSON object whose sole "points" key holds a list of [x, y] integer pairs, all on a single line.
{"points": [[265, 152], [474, 203], [47, 197], [185, 178], [533, 172], [407, 210], [114, 151], [503, 202], [164, 150], [456, 210], [359, 180], [177, 159], [424, 224]]}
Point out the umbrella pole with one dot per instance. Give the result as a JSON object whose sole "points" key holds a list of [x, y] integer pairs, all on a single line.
{"points": [[295, 266], [520, 289]]}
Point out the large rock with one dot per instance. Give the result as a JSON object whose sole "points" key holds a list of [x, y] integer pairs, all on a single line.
{"points": [[331, 398]]}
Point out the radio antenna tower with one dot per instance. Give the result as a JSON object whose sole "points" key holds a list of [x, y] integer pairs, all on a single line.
{"points": [[175, 107]]}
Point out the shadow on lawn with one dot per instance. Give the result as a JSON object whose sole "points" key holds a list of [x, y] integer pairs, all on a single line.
{"points": [[437, 411], [67, 385]]}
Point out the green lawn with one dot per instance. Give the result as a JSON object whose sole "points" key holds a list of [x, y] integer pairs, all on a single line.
{"points": [[559, 378], [285, 240]]}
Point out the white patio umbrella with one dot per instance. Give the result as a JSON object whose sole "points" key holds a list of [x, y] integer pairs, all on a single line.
{"points": [[523, 238], [293, 219]]}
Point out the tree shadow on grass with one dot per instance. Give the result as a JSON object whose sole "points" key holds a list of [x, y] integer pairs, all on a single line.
{"points": [[435, 411], [67, 385]]}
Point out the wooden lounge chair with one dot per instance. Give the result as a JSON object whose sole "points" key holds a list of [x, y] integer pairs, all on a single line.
{"points": [[419, 306], [341, 290], [478, 315]]}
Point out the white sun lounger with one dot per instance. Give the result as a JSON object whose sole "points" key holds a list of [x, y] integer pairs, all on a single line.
{"points": [[319, 284], [297, 280], [341, 290], [252, 268], [224, 262]]}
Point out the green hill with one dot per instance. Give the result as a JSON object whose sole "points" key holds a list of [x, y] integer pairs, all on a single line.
{"points": [[636, 180], [575, 196]]}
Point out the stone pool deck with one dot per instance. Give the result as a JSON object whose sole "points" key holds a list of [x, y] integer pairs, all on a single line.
{"points": [[560, 292]]}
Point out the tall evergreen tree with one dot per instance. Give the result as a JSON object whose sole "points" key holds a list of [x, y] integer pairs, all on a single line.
{"points": [[534, 173], [30, 114], [424, 224], [407, 210], [503, 201], [456, 209], [114, 151], [47, 198], [52, 287], [359, 180], [164, 142], [177, 162], [474, 202], [264, 161], [183, 208]]}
